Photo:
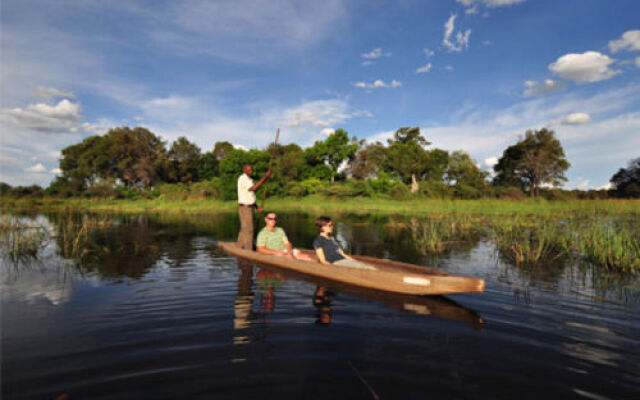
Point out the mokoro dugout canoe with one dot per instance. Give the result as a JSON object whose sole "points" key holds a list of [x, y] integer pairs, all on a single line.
{"points": [[389, 276]]}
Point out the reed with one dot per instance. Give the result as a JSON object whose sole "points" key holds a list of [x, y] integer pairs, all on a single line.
{"points": [[20, 239], [435, 234], [610, 245]]}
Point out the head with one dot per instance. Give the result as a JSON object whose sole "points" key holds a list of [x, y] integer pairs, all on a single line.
{"points": [[270, 219], [247, 169], [324, 225]]}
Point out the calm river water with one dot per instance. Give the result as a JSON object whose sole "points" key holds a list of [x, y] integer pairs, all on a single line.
{"points": [[147, 307]]}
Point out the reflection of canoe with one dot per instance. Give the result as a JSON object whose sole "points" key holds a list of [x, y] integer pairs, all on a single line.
{"points": [[433, 306], [390, 276]]}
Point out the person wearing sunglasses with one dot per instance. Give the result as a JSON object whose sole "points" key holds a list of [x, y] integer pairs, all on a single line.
{"points": [[329, 251], [273, 240]]}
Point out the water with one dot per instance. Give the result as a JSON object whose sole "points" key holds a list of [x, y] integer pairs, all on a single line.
{"points": [[152, 309]]}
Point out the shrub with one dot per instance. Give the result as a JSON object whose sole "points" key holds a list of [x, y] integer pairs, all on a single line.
{"points": [[435, 189], [463, 191], [512, 193], [339, 190], [205, 190], [399, 192]]}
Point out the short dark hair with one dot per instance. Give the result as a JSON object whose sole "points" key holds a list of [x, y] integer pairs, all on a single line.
{"points": [[322, 221], [266, 214]]}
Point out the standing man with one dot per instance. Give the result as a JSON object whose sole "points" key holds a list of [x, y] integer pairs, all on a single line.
{"points": [[246, 204]]}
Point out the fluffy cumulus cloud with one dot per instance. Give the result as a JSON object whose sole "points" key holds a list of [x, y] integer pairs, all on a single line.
{"points": [[373, 55], [546, 86], [457, 42], [630, 40], [423, 69], [320, 113], [576, 119], [490, 161], [39, 168], [62, 117], [377, 84], [45, 92], [590, 66]]}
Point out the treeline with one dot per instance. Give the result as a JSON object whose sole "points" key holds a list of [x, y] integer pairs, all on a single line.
{"points": [[134, 163]]}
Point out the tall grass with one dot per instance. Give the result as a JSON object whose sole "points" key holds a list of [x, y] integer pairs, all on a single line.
{"points": [[20, 239]]}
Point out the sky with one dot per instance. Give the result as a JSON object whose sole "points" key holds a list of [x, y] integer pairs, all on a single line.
{"points": [[474, 75]]}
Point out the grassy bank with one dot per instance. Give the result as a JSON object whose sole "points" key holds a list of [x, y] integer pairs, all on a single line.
{"points": [[318, 205]]}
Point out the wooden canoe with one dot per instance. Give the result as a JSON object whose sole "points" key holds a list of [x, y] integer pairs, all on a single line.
{"points": [[390, 276]]}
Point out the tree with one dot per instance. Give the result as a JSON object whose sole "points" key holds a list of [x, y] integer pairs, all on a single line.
{"points": [[333, 151], [462, 170], [368, 161], [221, 149], [137, 155], [86, 162], [409, 161], [627, 180], [208, 167], [183, 161], [536, 159], [231, 168]]}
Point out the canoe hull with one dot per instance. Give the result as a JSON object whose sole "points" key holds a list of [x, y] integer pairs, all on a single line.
{"points": [[390, 276]]}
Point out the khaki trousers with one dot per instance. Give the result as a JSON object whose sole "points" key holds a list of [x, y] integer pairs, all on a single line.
{"points": [[245, 237]]}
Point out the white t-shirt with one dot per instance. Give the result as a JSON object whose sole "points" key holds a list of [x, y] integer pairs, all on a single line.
{"points": [[245, 196]]}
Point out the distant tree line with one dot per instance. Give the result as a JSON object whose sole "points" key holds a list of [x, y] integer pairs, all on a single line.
{"points": [[132, 163]]}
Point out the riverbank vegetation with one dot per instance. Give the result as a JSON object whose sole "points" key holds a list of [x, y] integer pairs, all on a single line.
{"points": [[133, 164]]}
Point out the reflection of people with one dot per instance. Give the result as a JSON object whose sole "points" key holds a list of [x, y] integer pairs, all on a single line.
{"points": [[267, 281], [272, 240], [322, 301], [329, 251], [243, 303], [246, 204]]}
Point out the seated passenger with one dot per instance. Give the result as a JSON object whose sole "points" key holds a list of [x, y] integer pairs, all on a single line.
{"points": [[329, 251], [272, 240]]}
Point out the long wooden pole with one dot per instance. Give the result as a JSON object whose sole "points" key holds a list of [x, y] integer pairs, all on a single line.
{"points": [[273, 152]]}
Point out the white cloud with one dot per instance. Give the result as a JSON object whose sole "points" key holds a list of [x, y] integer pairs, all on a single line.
{"points": [[423, 69], [36, 168], [56, 171], [460, 40], [448, 68], [543, 87], [471, 10], [490, 162], [428, 53], [327, 131], [320, 113], [375, 53], [489, 3], [366, 63], [576, 119], [630, 40], [171, 102], [45, 92], [62, 117], [378, 83], [590, 66]]}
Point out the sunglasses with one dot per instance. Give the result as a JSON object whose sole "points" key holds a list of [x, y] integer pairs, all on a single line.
{"points": [[272, 219]]}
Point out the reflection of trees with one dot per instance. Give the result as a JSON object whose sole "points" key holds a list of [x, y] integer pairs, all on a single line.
{"points": [[100, 245]]}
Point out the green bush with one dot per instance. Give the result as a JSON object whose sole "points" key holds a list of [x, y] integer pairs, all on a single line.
{"points": [[512, 193], [435, 189], [381, 185], [129, 193], [463, 191], [399, 192], [205, 189], [337, 190], [104, 189], [172, 191]]}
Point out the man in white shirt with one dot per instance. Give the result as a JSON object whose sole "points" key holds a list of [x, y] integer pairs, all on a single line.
{"points": [[246, 204]]}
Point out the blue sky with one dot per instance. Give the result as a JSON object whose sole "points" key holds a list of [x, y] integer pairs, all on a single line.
{"points": [[473, 74]]}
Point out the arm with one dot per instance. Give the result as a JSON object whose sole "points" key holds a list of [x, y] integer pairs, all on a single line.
{"points": [[264, 250], [289, 247], [343, 254], [262, 180], [320, 255]]}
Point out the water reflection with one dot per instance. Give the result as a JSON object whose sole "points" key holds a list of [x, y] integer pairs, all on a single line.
{"points": [[322, 298]]}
